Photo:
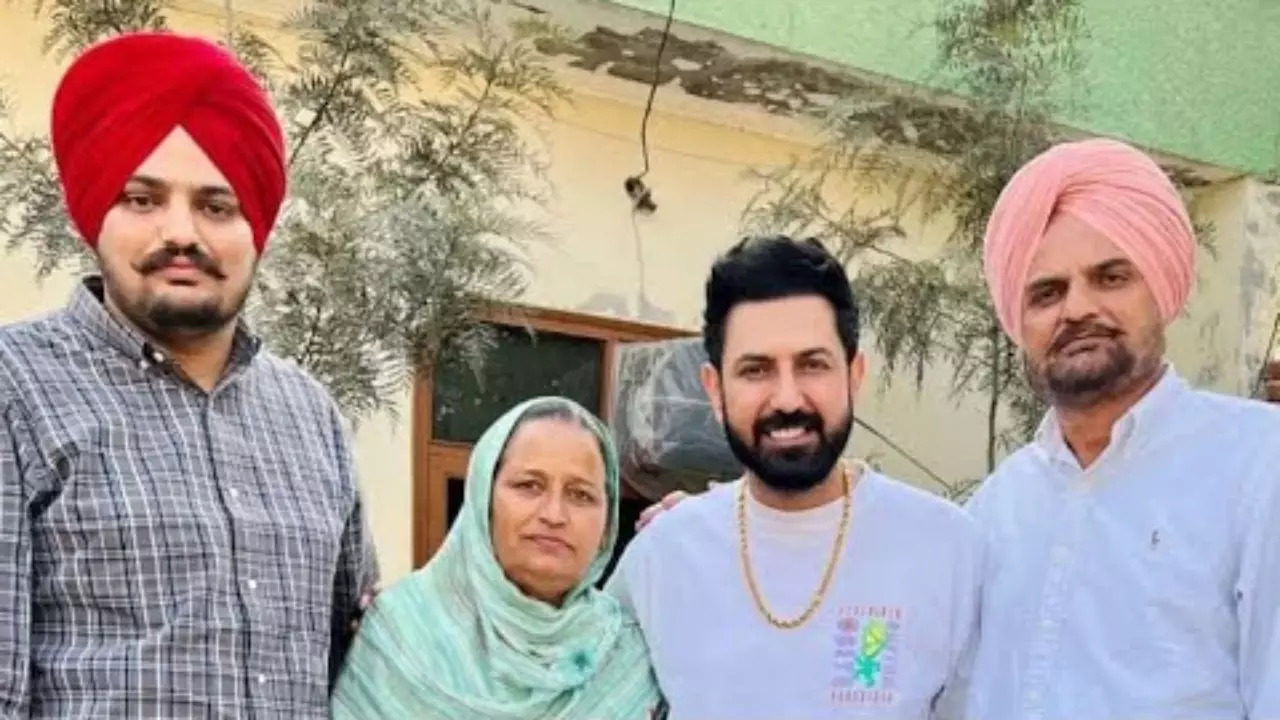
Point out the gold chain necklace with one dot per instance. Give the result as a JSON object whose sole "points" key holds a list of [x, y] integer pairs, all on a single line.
{"points": [[827, 574]]}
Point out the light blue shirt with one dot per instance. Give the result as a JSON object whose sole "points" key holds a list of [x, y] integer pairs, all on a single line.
{"points": [[1146, 586]]}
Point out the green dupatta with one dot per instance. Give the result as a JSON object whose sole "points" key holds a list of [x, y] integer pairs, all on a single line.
{"points": [[457, 640]]}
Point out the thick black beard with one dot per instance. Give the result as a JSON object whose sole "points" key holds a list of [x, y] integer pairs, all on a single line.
{"points": [[163, 320], [204, 319], [793, 471]]}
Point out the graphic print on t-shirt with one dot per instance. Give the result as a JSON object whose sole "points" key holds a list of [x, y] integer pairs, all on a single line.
{"points": [[867, 642]]}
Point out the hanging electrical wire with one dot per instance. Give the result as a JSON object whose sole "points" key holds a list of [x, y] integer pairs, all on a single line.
{"points": [[641, 197]]}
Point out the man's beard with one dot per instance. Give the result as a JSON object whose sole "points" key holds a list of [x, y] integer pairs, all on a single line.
{"points": [[791, 470], [164, 319], [1064, 384]]}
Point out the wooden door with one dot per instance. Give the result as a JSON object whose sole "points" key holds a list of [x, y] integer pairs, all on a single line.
{"points": [[446, 470]]}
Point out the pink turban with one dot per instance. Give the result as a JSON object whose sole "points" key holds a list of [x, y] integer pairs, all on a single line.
{"points": [[123, 96], [1115, 189]]}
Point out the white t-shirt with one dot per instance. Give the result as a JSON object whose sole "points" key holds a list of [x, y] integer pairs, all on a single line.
{"points": [[901, 609]]}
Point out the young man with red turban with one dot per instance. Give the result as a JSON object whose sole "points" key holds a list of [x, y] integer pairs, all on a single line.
{"points": [[181, 533], [1134, 554]]}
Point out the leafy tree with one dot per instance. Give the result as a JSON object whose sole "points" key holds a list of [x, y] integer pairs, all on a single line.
{"points": [[1016, 64], [414, 182]]}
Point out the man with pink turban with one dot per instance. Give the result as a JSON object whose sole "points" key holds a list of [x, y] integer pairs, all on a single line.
{"points": [[1134, 545], [181, 533]]}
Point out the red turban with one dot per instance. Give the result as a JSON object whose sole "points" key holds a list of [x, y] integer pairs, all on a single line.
{"points": [[1110, 186], [123, 96]]}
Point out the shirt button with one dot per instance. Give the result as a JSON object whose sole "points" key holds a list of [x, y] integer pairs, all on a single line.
{"points": [[262, 679], [235, 494], [253, 584]]}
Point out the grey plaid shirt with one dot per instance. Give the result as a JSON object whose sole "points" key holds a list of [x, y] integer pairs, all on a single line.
{"points": [[167, 553]]}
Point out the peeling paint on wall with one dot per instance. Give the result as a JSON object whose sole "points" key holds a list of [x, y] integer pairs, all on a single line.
{"points": [[1191, 78], [707, 70], [790, 87]]}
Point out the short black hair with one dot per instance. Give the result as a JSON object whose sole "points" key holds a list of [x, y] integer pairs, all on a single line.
{"points": [[761, 268]]}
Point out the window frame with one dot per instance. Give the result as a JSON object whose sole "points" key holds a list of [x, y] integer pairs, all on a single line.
{"points": [[434, 461]]}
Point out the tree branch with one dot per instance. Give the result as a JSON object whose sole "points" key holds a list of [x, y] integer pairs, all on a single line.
{"points": [[14, 147], [313, 328], [490, 79], [469, 124], [330, 94], [313, 333]]}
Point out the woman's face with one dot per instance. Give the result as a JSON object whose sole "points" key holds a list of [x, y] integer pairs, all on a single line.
{"points": [[550, 507]]}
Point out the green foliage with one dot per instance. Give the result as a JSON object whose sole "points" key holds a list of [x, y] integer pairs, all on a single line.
{"points": [[410, 205], [80, 23], [34, 215]]}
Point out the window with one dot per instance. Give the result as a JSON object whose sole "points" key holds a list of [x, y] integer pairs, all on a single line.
{"points": [[523, 364], [539, 352]]}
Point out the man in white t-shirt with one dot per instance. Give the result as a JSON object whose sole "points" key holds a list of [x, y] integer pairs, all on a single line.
{"points": [[812, 587]]}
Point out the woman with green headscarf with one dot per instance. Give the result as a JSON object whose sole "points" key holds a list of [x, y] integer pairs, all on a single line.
{"points": [[505, 621]]}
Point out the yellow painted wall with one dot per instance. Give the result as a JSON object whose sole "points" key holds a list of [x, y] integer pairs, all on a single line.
{"points": [[700, 152]]}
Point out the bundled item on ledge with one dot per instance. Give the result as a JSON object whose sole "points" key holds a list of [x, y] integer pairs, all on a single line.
{"points": [[668, 437]]}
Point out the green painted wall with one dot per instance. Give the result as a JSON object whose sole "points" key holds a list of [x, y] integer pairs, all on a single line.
{"points": [[1197, 78]]}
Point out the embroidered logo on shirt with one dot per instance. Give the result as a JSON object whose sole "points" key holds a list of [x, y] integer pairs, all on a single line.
{"points": [[866, 655]]}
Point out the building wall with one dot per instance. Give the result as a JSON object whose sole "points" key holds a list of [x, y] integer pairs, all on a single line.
{"points": [[653, 270], [1141, 83], [1257, 280]]}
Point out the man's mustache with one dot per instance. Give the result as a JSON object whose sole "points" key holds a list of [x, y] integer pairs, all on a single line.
{"points": [[779, 420], [164, 257], [1080, 331]]}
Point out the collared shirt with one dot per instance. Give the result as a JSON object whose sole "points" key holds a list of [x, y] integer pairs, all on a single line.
{"points": [[167, 552], [1146, 586]]}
